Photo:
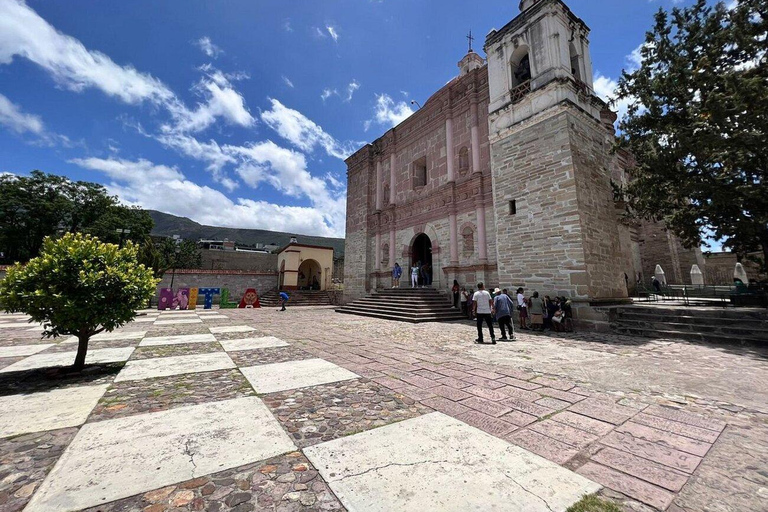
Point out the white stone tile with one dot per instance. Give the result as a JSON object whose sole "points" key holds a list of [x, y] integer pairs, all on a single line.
{"points": [[175, 311], [252, 343], [214, 317], [435, 462], [176, 365], [114, 459], [141, 319], [119, 335], [23, 350], [179, 339], [48, 410], [208, 312], [221, 329], [15, 325], [101, 355], [179, 322], [270, 378]]}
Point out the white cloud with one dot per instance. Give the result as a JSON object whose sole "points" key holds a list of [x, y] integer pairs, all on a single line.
{"points": [[166, 189], [327, 93], [302, 132], [319, 33], [388, 112], [287, 81], [333, 32], [287, 25], [353, 86], [24, 33], [208, 48], [221, 100], [12, 116]]}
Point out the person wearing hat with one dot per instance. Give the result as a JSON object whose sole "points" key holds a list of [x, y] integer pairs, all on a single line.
{"points": [[503, 307]]}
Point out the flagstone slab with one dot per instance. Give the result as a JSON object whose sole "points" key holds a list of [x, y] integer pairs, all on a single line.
{"points": [[102, 355], [23, 350], [14, 325], [270, 378], [214, 317], [114, 459], [435, 462], [178, 321], [177, 340], [48, 410], [141, 319], [111, 336], [221, 329], [176, 365], [252, 343]]}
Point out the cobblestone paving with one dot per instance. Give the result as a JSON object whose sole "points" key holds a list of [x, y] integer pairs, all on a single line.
{"points": [[288, 483], [24, 462], [152, 395], [245, 358], [92, 345], [321, 413], [183, 349]]}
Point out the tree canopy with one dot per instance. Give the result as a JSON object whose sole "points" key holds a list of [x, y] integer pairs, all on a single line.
{"points": [[40, 205], [697, 125], [79, 286]]}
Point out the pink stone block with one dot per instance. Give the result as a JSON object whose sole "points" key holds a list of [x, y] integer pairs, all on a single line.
{"points": [[390, 382], [446, 406], [486, 374], [450, 393], [565, 433], [415, 393], [515, 373], [454, 383], [487, 423], [553, 403], [644, 469], [420, 382], [428, 374], [551, 382], [629, 485], [585, 423], [599, 412], [685, 417], [663, 455], [669, 439], [486, 406], [527, 407], [456, 374], [489, 394], [566, 396], [519, 418], [700, 434], [544, 446], [520, 394], [522, 384], [486, 383]]}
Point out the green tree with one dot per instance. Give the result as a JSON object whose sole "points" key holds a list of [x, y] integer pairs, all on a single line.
{"points": [[39, 205], [79, 286], [183, 254], [697, 125]]}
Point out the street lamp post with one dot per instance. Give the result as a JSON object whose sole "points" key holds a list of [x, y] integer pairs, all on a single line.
{"points": [[176, 251], [123, 233]]}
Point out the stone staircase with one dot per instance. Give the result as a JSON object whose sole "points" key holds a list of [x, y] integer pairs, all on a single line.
{"points": [[734, 326], [405, 305], [297, 298]]}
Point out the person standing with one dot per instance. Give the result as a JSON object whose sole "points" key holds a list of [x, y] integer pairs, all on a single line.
{"points": [[283, 299], [522, 308], [397, 271], [470, 300], [464, 299], [415, 274], [503, 306], [455, 291], [537, 312], [482, 304]]}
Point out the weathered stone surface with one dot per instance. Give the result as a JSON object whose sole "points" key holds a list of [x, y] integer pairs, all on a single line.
{"points": [[631, 486]]}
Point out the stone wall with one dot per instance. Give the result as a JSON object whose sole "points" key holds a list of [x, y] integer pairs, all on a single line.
{"points": [[720, 266], [234, 260], [660, 247], [236, 281]]}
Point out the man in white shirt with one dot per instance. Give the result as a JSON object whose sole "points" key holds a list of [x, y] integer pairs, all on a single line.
{"points": [[482, 305]]}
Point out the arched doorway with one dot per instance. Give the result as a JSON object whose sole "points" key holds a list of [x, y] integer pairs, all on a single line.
{"points": [[421, 254], [310, 275]]}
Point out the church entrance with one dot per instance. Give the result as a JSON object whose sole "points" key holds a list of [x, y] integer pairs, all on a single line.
{"points": [[421, 255]]}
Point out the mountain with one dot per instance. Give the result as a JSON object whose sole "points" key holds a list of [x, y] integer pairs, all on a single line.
{"points": [[169, 225]]}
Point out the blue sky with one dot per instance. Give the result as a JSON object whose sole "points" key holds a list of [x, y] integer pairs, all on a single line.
{"points": [[240, 113]]}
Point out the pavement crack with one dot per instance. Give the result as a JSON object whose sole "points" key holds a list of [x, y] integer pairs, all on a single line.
{"points": [[399, 464], [528, 491], [190, 452]]}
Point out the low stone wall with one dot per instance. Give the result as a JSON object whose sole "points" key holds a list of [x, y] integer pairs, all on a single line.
{"points": [[232, 260], [236, 281]]}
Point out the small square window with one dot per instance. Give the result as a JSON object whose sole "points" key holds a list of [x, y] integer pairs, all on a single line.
{"points": [[512, 207]]}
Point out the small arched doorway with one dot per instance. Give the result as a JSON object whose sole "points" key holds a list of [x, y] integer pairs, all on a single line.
{"points": [[421, 255], [310, 275]]}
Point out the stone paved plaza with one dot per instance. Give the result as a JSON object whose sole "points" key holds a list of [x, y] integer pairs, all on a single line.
{"points": [[314, 410]]}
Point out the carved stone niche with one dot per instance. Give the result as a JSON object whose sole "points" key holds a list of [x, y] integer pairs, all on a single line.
{"points": [[467, 241]]}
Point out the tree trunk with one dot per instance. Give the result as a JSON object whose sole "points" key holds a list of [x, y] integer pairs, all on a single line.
{"points": [[82, 349], [764, 246]]}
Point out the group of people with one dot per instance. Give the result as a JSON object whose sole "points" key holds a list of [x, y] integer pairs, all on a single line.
{"points": [[421, 275], [535, 313]]}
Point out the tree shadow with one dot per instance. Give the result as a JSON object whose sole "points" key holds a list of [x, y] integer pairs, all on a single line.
{"points": [[38, 380]]}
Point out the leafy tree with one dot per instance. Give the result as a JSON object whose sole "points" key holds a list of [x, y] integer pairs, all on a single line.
{"points": [[697, 125], [79, 286], [39, 205], [183, 254]]}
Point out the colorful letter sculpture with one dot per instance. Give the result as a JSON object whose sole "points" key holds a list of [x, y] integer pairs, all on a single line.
{"points": [[166, 298], [181, 299], [250, 299], [224, 302], [192, 298], [208, 293]]}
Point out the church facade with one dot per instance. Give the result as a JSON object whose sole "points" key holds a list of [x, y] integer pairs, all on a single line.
{"points": [[503, 176]]}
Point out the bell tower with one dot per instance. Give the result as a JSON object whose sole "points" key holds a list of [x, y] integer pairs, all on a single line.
{"points": [[551, 162]]}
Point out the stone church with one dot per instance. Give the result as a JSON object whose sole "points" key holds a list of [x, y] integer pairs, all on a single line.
{"points": [[503, 176]]}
